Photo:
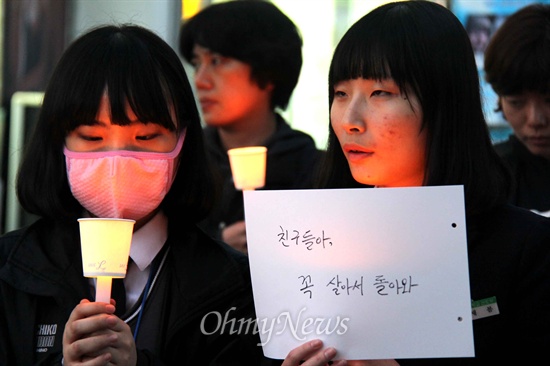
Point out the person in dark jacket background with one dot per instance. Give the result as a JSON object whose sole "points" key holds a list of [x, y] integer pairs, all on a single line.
{"points": [[517, 65], [119, 113], [247, 57]]}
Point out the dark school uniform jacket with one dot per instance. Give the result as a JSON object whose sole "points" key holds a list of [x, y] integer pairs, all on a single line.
{"points": [[531, 175], [41, 282], [509, 259], [292, 160]]}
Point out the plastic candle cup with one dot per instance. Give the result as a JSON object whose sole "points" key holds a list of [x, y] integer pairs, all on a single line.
{"points": [[248, 166], [105, 246]]}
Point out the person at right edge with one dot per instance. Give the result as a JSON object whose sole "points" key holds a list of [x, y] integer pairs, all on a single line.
{"points": [[517, 65], [247, 60]]}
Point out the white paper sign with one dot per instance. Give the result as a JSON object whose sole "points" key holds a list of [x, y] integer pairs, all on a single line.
{"points": [[375, 273]]}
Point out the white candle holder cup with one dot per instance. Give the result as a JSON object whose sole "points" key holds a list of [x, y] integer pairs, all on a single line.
{"points": [[105, 244], [248, 166]]}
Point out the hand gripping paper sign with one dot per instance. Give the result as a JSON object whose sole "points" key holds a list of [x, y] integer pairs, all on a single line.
{"points": [[376, 273]]}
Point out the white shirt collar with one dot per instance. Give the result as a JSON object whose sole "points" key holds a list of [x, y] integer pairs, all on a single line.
{"points": [[149, 240]]}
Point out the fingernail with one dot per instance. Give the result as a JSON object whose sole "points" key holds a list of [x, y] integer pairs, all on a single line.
{"points": [[330, 353], [316, 343], [111, 320]]}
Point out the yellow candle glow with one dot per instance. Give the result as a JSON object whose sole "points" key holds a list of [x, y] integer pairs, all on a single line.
{"points": [[105, 246], [248, 166]]}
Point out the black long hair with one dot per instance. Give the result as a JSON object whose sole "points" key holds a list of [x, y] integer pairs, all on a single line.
{"points": [[425, 49], [136, 66]]}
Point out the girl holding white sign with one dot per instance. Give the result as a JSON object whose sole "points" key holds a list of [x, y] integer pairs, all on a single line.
{"points": [[406, 110]]}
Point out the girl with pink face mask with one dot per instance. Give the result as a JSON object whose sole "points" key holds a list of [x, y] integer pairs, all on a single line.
{"points": [[119, 136]]}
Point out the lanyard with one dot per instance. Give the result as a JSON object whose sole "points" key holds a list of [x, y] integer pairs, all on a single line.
{"points": [[153, 274]]}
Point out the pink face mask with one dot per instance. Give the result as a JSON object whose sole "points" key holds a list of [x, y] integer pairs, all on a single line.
{"points": [[121, 183]]}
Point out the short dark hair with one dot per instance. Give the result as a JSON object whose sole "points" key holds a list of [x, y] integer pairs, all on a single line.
{"points": [[135, 65], [425, 49], [254, 32], [517, 58]]}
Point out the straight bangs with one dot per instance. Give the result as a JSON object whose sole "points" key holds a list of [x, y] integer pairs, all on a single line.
{"points": [[366, 59], [377, 47], [126, 71], [132, 76]]}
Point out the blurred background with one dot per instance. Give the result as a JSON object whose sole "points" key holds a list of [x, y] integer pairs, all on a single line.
{"points": [[34, 33]]}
